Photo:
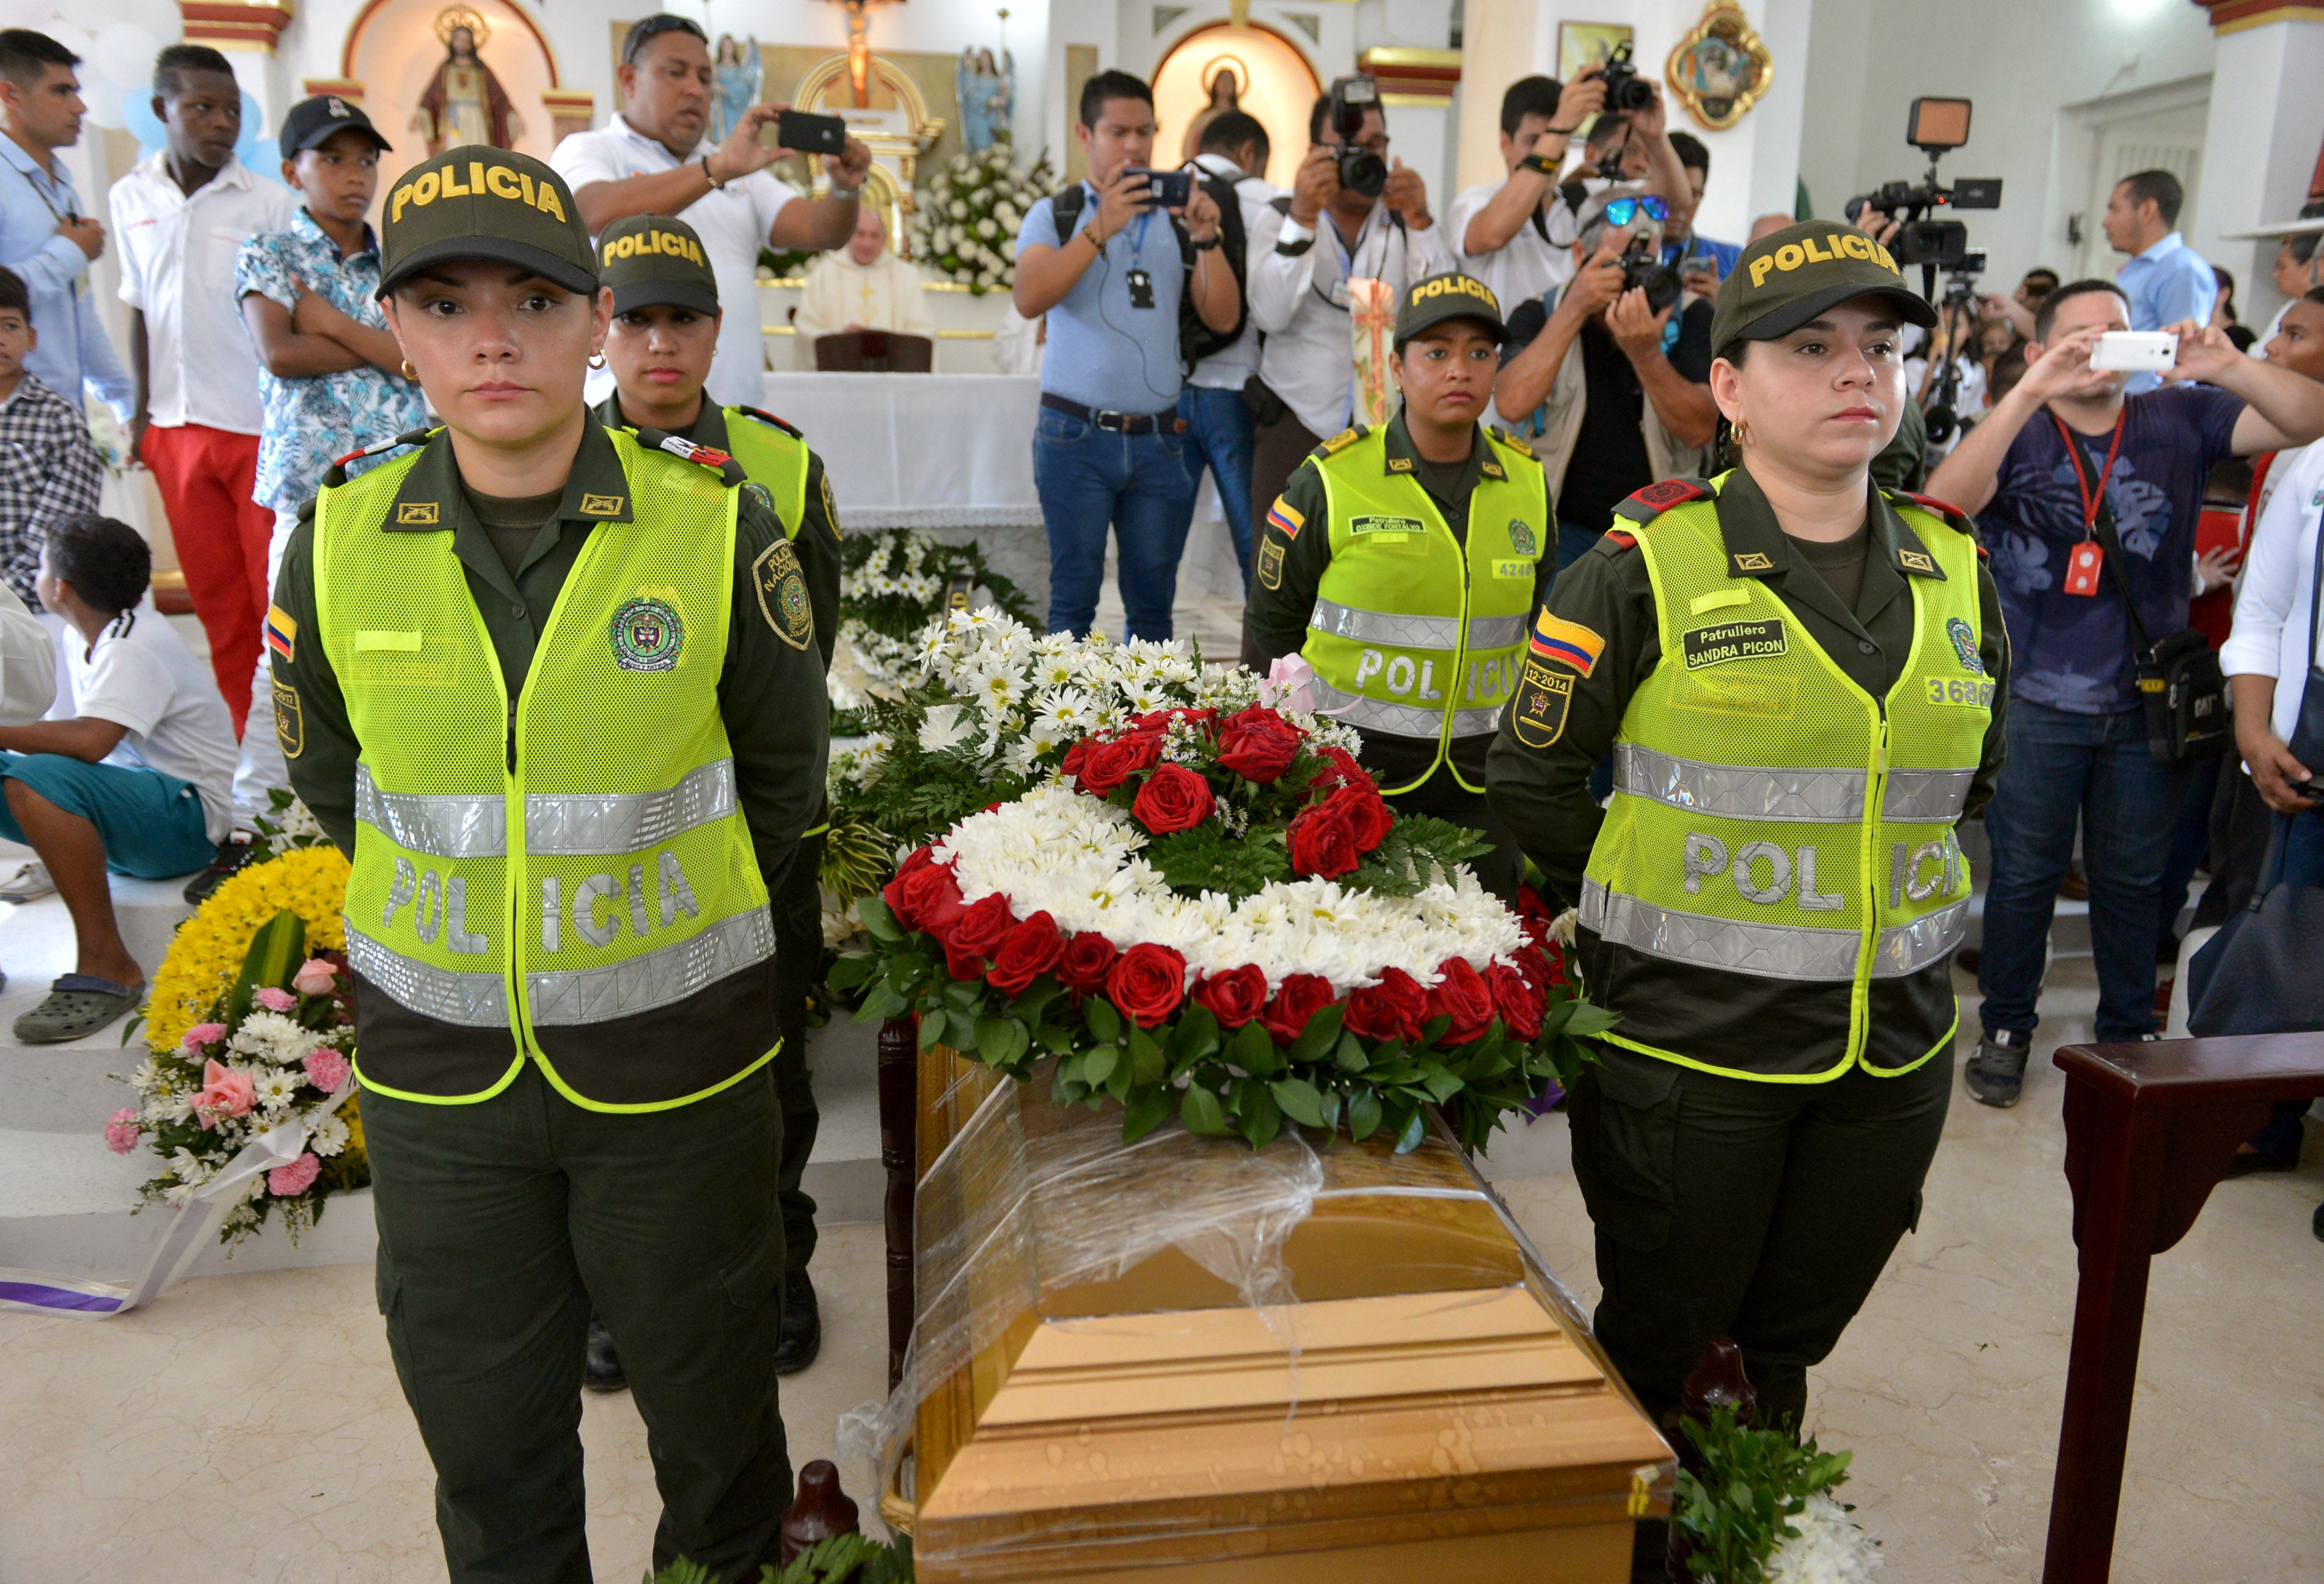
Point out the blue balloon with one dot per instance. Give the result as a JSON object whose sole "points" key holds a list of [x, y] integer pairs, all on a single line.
{"points": [[258, 149]]}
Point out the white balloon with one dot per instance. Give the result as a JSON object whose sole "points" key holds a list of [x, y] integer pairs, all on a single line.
{"points": [[105, 99], [124, 53], [69, 36], [98, 14], [162, 18]]}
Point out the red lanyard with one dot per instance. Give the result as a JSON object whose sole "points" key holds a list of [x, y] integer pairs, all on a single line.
{"points": [[2091, 499]]}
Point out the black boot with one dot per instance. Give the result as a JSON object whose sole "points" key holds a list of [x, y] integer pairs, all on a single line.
{"points": [[799, 1337], [601, 1371]]}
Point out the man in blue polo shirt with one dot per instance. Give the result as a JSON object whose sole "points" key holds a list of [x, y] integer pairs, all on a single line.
{"points": [[1111, 448], [2164, 281]]}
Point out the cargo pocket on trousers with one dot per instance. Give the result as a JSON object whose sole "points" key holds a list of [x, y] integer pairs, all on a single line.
{"points": [[752, 1276], [1637, 1149]]}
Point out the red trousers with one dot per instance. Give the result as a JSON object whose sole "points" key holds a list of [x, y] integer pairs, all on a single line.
{"points": [[206, 477]]}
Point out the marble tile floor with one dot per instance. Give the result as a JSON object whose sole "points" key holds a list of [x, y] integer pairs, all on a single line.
{"points": [[248, 1428]]}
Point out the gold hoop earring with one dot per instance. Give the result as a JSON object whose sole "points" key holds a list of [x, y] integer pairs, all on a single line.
{"points": [[409, 372], [1742, 432], [596, 359]]}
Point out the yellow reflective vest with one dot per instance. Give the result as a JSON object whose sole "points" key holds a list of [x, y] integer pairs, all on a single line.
{"points": [[1415, 633], [775, 456], [1779, 839], [578, 857]]}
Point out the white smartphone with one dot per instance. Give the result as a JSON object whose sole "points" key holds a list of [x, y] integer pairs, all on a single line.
{"points": [[2136, 352]]}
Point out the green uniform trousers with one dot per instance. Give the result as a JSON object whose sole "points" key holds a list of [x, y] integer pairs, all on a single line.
{"points": [[798, 912], [500, 1224], [1760, 1211], [1499, 870]]}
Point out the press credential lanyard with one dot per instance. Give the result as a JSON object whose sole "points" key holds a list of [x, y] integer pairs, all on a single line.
{"points": [[2083, 565]]}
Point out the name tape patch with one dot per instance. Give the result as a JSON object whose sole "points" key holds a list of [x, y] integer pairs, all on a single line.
{"points": [[1387, 525], [1733, 641]]}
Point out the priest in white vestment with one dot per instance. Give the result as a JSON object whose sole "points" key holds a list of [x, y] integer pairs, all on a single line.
{"points": [[863, 287]]}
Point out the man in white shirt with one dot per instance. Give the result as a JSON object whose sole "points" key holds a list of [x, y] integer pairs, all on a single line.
{"points": [[180, 219], [863, 287], [652, 160], [1304, 251], [1218, 425], [1502, 229], [138, 783]]}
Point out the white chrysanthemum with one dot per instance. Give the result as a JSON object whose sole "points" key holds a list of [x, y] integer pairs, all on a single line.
{"points": [[947, 726], [273, 1090], [1830, 1548], [326, 1134], [147, 1077]]}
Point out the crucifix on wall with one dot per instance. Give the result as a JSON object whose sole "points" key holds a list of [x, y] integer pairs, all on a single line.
{"points": [[859, 49]]}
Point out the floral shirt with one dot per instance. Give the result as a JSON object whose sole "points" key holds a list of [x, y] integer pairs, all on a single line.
{"points": [[312, 423]]}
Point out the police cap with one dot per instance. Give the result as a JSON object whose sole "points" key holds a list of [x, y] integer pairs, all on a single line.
{"points": [[1452, 295], [650, 259], [1783, 280], [475, 202]]}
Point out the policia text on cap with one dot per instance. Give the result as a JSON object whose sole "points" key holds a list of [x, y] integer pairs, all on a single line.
{"points": [[1802, 682], [558, 696]]}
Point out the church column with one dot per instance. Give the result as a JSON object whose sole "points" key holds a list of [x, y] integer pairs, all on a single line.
{"points": [[2261, 140]]}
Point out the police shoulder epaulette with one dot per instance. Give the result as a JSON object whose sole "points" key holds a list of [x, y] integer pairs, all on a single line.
{"points": [[1509, 439], [1655, 499], [729, 471], [337, 474], [1954, 518], [793, 430], [1614, 541], [1341, 441]]}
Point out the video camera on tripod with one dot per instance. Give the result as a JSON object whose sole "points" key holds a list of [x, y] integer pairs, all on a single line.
{"points": [[1935, 127]]}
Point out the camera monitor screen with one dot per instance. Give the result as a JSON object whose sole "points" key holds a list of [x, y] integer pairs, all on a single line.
{"points": [[1938, 123]]}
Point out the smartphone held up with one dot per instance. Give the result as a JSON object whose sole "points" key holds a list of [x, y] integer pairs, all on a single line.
{"points": [[2136, 352]]}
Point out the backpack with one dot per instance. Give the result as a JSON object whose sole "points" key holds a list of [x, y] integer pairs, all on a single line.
{"points": [[1196, 340]]}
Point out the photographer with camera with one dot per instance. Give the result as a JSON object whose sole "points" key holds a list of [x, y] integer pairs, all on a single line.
{"points": [[1502, 230], [1702, 263], [1634, 405], [2088, 497], [1234, 149], [1352, 215]]}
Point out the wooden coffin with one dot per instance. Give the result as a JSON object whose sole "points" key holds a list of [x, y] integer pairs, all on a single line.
{"points": [[1408, 1399]]}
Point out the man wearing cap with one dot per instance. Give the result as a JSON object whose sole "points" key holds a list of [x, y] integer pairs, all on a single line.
{"points": [[1402, 562], [557, 694], [659, 350], [1801, 681]]}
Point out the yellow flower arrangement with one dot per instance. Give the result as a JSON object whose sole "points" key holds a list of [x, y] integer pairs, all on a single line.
{"points": [[202, 961]]}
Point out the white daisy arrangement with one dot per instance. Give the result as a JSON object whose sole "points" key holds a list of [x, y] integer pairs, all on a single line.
{"points": [[1757, 1507], [965, 222], [891, 586]]}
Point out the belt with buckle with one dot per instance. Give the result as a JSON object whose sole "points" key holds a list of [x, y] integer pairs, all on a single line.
{"points": [[1119, 423]]}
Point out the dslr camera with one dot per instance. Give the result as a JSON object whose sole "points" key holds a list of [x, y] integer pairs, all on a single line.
{"points": [[1640, 268], [1624, 89], [1934, 126], [1360, 170]]}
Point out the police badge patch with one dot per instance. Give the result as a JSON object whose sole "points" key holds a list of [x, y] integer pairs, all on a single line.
{"points": [[782, 594], [1965, 646], [290, 721], [1270, 564], [647, 636], [1541, 705], [1521, 539]]}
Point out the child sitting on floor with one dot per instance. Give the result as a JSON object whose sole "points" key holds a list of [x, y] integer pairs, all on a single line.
{"points": [[137, 783]]}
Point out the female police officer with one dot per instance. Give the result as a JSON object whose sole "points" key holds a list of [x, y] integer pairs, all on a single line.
{"points": [[659, 349], [1801, 679], [557, 694]]}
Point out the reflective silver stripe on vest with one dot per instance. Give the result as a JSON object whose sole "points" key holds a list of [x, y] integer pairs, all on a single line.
{"points": [[655, 979], [1815, 796], [574, 824], [1497, 632], [471, 1001], [446, 824], [1438, 632], [1399, 720], [1772, 951], [1932, 795]]}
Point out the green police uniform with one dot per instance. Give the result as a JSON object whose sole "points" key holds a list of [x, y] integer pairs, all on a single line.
{"points": [[567, 764], [1772, 900], [1407, 586]]}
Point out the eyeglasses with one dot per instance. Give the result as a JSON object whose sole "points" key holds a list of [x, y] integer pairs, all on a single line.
{"points": [[1623, 210]]}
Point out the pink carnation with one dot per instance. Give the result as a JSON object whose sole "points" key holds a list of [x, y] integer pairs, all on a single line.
{"points": [[202, 1034], [326, 1069], [314, 977], [288, 1181], [121, 1131], [275, 1000], [225, 1093]]}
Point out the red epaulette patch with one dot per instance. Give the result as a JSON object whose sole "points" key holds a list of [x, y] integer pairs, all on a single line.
{"points": [[1658, 498], [1944, 509], [687, 450], [350, 456], [763, 415], [1622, 537]]}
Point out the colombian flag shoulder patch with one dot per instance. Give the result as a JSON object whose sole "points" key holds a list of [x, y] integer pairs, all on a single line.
{"points": [[1285, 516], [1567, 642], [281, 633]]}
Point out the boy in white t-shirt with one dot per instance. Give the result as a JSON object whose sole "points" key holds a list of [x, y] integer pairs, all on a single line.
{"points": [[139, 783]]}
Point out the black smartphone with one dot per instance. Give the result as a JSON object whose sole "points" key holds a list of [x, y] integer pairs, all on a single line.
{"points": [[810, 133], [1166, 189]]}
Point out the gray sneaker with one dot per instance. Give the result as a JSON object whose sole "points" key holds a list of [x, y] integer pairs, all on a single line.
{"points": [[1996, 1072]]}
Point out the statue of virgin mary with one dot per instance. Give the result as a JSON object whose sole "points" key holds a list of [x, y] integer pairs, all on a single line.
{"points": [[739, 69]]}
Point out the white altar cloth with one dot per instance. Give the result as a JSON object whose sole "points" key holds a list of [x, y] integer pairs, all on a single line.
{"points": [[926, 451]]}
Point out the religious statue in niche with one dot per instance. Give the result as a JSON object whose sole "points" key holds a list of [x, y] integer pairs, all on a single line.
{"points": [[988, 96], [1221, 94], [464, 101], [740, 70]]}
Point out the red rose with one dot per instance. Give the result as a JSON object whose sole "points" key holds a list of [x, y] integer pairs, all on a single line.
{"points": [[1025, 953], [1148, 983], [1258, 745], [1159, 721], [1393, 1008], [1077, 755], [1519, 1004], [1322, 841], [979, 929], [924, 895], [1461, 995], [1235, 997], [1173, 798], [1297, 1000], [1367, 817], [1342, 771], [1110, 764], [962, 964], [1089, 957], [1542, 965]]}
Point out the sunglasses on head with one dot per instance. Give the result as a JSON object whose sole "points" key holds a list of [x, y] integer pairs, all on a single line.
{"points": [[1623, 210]]}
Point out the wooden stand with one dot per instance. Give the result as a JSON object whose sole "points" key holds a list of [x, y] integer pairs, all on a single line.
{"points": [[2150, 1129]]}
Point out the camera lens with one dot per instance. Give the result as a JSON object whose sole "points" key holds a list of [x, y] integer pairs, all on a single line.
{"points": [[1362, 171], [1629, 93]]}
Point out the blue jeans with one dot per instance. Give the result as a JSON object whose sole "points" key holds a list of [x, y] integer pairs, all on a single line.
{"points": [[1219, 435], [2303, 849], [2189, 840], [1575, 541], [1092, 479], [2061, 765]]}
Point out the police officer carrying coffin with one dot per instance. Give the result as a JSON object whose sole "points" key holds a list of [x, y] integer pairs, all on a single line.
{"points": [[557, 694], [1403, 564], [1800, 678], [659, 350]]}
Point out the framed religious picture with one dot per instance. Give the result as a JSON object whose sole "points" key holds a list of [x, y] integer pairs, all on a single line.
{"points": [[1719, 68], [1587, 43]]}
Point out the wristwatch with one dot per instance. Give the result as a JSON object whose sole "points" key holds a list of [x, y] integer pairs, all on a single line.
{"points": [[1204, 246]]}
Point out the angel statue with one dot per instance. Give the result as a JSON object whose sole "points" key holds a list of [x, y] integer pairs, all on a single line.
{"points": [[740, 70], [464, 101], [988, 96]]}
